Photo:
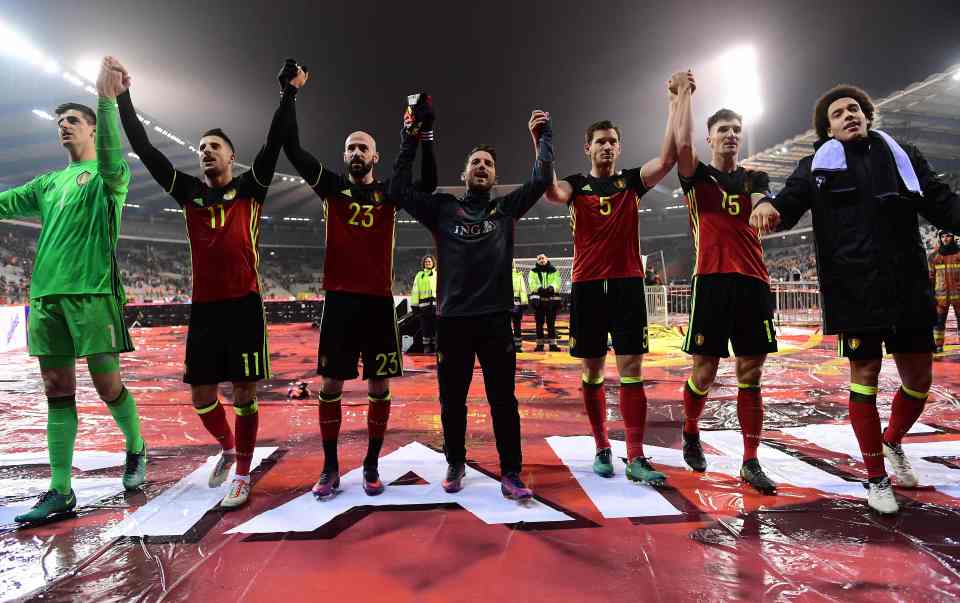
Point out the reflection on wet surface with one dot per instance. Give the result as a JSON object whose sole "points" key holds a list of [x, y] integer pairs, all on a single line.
{"points": [[728, 542]]}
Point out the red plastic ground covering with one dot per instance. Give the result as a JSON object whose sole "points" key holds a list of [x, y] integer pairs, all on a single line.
{"points": [[728, 543]]}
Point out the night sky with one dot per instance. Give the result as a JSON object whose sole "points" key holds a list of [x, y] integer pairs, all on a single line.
{"points": [[204, 64]]}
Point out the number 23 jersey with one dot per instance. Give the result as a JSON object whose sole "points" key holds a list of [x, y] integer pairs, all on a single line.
{"points": [[719, 206], [360, 228]]}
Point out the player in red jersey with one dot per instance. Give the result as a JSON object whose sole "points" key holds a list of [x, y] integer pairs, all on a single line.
{"points": [[227, 334], [608, 293], [358, 317], [731, 301]]}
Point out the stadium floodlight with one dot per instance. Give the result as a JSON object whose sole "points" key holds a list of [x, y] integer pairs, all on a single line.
{"points": [[739, 68], [784, 149], [43, 114], [18, 46]]}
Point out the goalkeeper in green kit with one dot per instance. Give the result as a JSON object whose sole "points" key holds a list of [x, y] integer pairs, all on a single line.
{"points": [[76, 297]]}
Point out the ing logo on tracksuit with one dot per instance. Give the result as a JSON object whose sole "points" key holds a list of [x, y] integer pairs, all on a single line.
{"points": [[475, 230]]}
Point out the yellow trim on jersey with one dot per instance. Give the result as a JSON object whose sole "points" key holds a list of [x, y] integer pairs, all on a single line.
{"points": [[693, 209], [320, 173], [172, 182]]}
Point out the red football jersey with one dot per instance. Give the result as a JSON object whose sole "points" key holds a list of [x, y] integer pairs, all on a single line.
{"points": [[223, 227], [719, 206], [606, 227], [360, 230]]}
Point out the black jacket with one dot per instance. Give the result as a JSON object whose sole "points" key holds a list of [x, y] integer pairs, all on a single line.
{"points": [[474, 235], [871, 262]]}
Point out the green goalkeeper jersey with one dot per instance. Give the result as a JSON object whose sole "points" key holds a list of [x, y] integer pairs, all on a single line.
{"points": [[79, 209]]}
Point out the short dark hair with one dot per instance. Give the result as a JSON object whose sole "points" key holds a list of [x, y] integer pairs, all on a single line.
{"points": [[725, 114], [488, 148], [821, 121], [603, 124], [221, 134], [87, 112]]}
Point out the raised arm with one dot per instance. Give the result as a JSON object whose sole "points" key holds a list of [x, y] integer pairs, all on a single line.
{"points": [[683, 125], [428, 165], [654, 170], [265, 163], [156, 162], [414, 198], [111, 166], [519, 202]]}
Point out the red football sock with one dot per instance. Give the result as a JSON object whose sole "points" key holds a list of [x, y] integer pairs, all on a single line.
{"points": [[693, 403], [866, 426], [907, 408], [633, 409], [750, 414], [595, 401], [378, 415], [214, 418], [331, 417], [245, 424]]}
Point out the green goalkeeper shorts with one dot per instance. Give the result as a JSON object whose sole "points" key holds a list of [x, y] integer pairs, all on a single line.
{"points": [[77, 326]]}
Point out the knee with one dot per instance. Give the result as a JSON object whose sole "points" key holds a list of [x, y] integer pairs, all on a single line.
{"points": [[378, 387], [329, 385], [705, 372], [244, 392], [749, 370], [203, 396], [58, 383], [865, 372]]}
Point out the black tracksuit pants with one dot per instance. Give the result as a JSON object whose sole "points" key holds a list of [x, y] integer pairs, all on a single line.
{"points": [[489, 339]]}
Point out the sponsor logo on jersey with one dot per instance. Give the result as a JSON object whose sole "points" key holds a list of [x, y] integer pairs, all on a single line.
{"points": [[198, 202], [587, 188], [475, 230], [83, 178], [230, 194], [347, 192]]}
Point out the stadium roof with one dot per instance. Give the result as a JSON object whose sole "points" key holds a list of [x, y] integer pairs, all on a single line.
{"points": [[926, 114]]}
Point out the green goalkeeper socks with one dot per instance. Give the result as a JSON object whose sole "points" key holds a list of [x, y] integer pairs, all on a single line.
{"points": [[61, 435]]}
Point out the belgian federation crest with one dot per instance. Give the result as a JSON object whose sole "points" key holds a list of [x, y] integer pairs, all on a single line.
{"points": [[820, 180], [377, 197], [853, 343], [700, 339], [620, 183], [83, 178]]}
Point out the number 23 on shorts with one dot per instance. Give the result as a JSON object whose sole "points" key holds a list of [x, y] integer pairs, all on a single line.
{"points": [[387, 364]]}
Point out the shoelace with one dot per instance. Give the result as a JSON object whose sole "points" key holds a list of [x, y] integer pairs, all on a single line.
{"points": [[45, 497]]}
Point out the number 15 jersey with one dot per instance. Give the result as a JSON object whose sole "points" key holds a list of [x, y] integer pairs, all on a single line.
{"points": [[719, 205], [360, 230]]}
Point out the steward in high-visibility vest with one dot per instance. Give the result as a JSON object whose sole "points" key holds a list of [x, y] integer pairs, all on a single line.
{"points": [[423, 299], [519, 306], [545, 299]]}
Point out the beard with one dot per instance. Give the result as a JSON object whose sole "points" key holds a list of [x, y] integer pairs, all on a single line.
{"points": [[358, 169]]}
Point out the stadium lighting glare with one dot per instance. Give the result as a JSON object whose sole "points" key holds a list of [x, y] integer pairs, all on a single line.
{"points": [[784, 149], [739, 68], [956, 75], [51, 67], [43, 114], [76, 81], [17, 46], [87, 68]]}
